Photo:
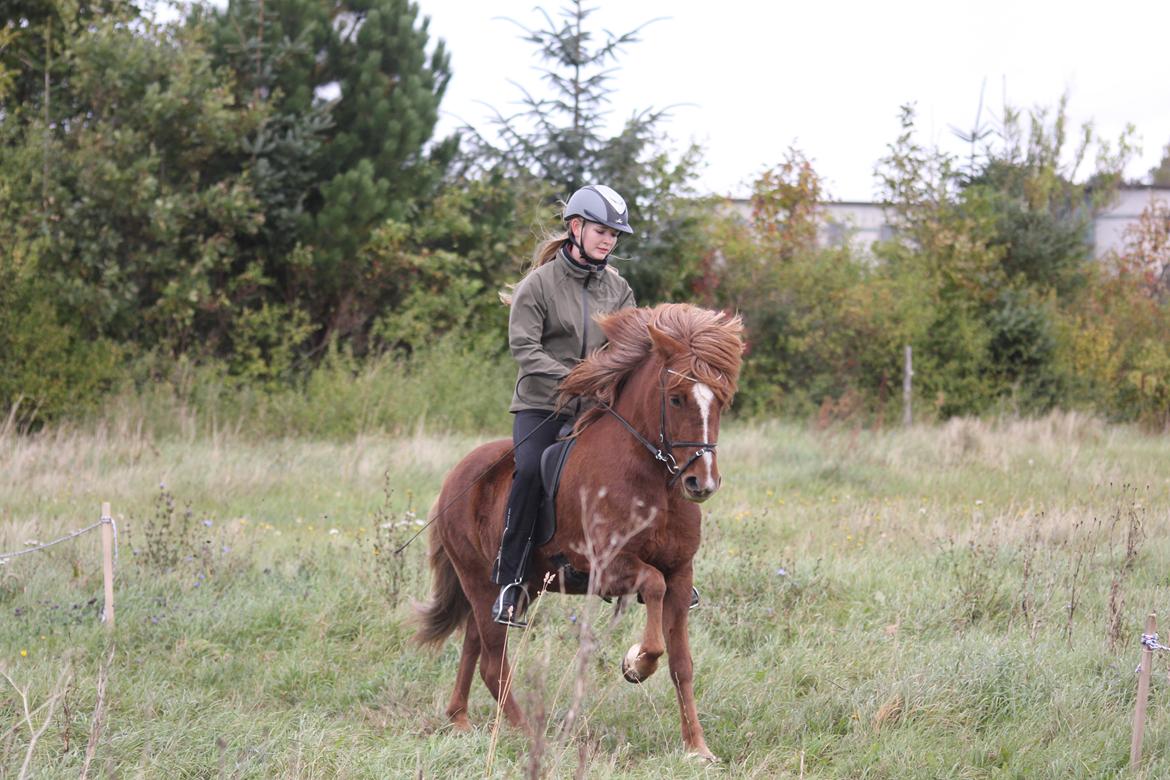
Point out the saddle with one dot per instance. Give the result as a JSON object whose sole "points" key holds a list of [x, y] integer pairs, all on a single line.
{"points": [[552, 464]]}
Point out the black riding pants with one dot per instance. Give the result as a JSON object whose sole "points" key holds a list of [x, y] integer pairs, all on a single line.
{"points": [[532, 434]]}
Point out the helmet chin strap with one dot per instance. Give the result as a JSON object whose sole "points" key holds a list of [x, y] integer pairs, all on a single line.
{"points": [[581, 247]]}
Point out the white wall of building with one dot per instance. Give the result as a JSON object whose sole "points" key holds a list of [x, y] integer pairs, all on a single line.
{"points": [[863, 223]]}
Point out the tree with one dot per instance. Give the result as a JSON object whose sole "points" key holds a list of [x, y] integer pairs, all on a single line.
{"points": [[560, 140], [353, 90], [133, 189]]}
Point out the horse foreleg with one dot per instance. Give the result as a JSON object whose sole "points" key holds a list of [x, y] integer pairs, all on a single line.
{"points": [[457, 709], [641, 659], [493, 668], [676, 609]]}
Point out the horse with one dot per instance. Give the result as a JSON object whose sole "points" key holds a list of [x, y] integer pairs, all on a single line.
{"points": [[643, 462]]}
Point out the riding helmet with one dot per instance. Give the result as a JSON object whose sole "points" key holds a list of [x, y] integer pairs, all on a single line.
{"points": [[599, 203]]}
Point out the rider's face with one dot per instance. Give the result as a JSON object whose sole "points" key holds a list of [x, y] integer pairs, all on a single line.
{"points": [[598, 240]]}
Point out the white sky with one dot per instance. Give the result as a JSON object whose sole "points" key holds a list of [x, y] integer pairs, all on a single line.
{"points": [[750, 78]]}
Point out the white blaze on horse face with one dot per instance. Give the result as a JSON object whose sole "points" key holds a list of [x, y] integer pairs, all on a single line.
{"points": [[704, 398]]}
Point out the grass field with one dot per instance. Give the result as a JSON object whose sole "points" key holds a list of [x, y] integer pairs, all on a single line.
{"points": [[961, 601]]}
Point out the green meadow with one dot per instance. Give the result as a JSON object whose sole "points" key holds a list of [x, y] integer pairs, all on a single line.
{"points": [[956, 601]]}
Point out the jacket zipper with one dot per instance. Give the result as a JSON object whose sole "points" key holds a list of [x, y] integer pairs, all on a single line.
{"points": [[585, 315]]}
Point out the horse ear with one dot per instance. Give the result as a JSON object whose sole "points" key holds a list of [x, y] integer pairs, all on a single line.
{"points": [[665, 344]]}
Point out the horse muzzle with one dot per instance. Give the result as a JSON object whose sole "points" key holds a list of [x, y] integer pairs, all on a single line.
{"points": [[698, 490]]}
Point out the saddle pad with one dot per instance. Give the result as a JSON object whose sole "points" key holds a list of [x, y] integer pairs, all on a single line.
{"points": [[552, 463]]}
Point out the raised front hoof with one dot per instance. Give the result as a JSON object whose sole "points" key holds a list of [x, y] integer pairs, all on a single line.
{"points": [[630, 665]]}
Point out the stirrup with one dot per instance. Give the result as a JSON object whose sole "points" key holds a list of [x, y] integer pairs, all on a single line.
{"points": [[506, 609]]}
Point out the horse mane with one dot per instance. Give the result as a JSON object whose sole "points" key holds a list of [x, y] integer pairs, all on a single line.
{"points": [[713, 343]]}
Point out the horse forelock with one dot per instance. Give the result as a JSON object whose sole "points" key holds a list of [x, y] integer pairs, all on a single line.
{"points": [[713, 351], [714, 342]]}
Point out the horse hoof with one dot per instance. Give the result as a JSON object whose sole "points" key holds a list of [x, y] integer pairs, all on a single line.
{"points": [[628, 670], [705, 756]]}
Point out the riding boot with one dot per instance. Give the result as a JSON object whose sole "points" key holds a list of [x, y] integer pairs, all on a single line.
{"points": [[510, 605]]}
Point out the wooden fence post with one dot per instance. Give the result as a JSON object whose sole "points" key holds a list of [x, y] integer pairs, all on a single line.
{"points": [[108, 564], [1143, 694]]}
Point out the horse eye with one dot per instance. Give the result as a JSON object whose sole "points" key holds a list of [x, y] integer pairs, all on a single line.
{"points": [[676, 401]]}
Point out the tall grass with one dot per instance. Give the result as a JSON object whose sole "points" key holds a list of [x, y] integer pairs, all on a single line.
{"points": [[339, 399], [959, 601]]}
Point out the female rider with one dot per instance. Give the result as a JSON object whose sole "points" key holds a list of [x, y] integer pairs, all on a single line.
{"points": [[550, 329]]}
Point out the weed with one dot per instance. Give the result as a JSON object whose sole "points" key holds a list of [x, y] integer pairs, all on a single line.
{"points": [[1129, 520], [392, 529]]}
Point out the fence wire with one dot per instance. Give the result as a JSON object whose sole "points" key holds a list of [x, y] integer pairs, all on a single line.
{"points": [[6, 557]]}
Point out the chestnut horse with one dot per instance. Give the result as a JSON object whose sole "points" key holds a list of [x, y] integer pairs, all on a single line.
{"points": [[665, 376]]}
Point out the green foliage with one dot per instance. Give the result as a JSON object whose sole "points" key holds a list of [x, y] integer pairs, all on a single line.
{"points": [[47, 369], [352, 95], [455, 382], [144, 234], [824, 326]]}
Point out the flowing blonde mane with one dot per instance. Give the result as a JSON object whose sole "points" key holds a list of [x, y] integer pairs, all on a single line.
{"points": [[713, 343]]}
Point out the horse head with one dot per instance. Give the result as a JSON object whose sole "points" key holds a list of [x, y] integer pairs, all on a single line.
{"points": [[676, 368]]}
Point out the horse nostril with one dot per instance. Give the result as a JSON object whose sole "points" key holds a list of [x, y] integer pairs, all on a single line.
{"points": [[692, 484]]}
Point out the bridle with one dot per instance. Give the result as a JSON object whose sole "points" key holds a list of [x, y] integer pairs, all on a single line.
{"points": [[664, 452]]}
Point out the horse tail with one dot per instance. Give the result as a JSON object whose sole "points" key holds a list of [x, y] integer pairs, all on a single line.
{"points": [[448, 606]]}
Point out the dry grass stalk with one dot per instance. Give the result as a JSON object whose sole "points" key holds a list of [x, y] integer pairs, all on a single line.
{"points": [[99, 712], [50, 704], [506, 683], [889, 713]]}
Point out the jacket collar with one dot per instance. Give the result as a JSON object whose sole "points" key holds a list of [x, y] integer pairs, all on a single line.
{"points": [[579, 271]]}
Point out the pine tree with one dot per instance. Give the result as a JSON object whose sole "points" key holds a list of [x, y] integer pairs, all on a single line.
{"points": [[355, 88], [560, 139]]}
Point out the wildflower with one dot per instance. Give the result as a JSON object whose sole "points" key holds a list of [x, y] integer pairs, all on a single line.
{"points": [[333, 532], [208, 523], [23, 653], [979, 502], [782, 572]]}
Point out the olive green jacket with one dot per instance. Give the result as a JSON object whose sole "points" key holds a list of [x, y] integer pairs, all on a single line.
{"points": [[551, 327]]}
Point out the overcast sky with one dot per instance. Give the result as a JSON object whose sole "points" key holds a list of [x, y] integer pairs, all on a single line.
{"points": [[749, 78]]}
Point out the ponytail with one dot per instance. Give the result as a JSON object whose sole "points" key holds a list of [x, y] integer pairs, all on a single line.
{"points": [[546, 250]]}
